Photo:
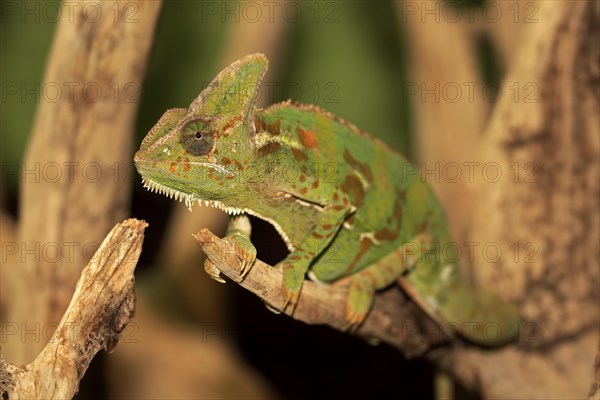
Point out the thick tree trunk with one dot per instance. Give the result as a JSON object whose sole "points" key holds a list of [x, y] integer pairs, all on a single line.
{"points": [[77, 171], [542, 212]]}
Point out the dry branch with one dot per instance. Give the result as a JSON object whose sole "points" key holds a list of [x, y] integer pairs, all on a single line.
{"points": [[393, 318], [81, 147], [101, 308]]}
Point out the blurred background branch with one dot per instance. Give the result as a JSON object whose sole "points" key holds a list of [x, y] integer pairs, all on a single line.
{"points": [[82, 143]]}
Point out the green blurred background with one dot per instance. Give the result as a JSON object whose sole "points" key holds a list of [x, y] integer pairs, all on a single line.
{"points": [[348, 57], [343, 56]]}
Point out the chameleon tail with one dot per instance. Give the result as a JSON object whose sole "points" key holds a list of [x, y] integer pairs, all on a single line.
{"points": [[478, 316]]}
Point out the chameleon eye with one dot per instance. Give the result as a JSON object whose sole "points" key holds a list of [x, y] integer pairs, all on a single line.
{"points": [[197, 138]]}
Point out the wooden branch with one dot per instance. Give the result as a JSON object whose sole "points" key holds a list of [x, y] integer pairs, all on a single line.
{"points": [[101, 308], [595, 386], [393, 319], [77, 170]]}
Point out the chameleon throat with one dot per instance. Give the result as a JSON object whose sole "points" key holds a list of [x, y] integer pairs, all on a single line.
{"points": [[190, 199]]}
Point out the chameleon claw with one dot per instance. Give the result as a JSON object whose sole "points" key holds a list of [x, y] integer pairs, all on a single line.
{"points": [[354, 319], [213, 271], [290, 300], [271, 308], [247, 263], [245, 252]]}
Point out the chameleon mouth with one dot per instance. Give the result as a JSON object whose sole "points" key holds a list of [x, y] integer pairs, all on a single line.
{"points": [[188, 199]]}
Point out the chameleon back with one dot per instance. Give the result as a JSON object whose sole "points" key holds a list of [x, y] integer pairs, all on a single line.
{"points": [[392, 204], [393, 207]]}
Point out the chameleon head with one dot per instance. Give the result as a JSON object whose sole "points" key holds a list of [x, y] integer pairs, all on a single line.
{"points": [[203, 152]]}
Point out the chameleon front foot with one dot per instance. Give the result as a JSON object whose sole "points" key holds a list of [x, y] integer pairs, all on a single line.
{"points": [[245, 251], [238, 235]]}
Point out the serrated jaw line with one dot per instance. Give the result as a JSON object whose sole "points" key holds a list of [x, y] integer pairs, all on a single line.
{"points": [[189, 199]]}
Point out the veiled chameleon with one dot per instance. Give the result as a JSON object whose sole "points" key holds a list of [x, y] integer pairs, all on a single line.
{"points": [[341, 200]]}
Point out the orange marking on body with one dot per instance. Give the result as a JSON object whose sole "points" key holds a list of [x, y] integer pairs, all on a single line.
{"points": [[274, 127], [259, 125], [364, 169], [303, 191], [315, 184], [350, 220], [354, 189], [238, 165], [308, 138], [186, 167], [231, 123], [299, 156], [326, 226], [268, 148], [335, 197], [302, 178], [173, 167], [317, 236]]}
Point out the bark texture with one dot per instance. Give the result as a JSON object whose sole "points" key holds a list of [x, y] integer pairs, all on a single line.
{"points": [[101, 308], [77, 172], [543, 136]]}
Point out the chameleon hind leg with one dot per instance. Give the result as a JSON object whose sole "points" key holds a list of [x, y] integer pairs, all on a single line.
{"points": [[379, 275], [297, 263], [238, 234]]}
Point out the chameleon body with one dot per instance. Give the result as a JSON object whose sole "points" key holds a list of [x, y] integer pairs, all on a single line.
{"points": [[345, 204]]}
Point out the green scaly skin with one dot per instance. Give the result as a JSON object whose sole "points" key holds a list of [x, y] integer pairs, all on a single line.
{"points": [[343, 202]]}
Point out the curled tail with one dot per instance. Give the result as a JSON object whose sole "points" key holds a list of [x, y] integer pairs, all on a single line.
{"points": [[478, 316]]}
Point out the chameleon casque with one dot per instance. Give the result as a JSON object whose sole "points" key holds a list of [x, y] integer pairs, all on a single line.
{"points": [[340, 199]]}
